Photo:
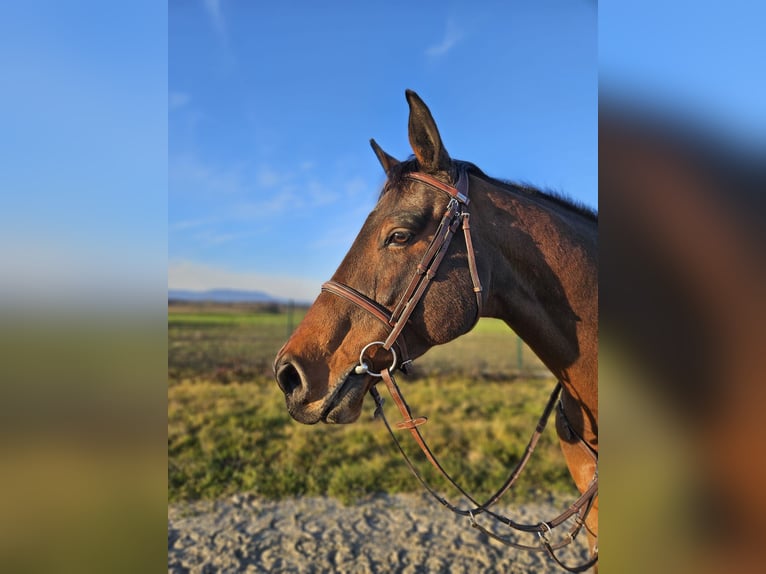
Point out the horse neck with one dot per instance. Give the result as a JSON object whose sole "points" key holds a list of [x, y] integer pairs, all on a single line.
{"points": [[539, 261]]}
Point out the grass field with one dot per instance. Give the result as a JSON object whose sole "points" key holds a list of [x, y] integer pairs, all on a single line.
{"points": [[229, 431]]}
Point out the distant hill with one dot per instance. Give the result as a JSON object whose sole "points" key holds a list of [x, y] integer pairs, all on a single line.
{"points": [[222, 296]]}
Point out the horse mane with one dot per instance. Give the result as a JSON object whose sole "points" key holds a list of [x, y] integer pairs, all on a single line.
{"points": [[555, 197]]}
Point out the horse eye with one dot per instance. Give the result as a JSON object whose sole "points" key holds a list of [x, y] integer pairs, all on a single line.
{"points": [[399, 238]]}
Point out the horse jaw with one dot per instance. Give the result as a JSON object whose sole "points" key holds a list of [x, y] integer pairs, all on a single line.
{"points": [[344, 404]]}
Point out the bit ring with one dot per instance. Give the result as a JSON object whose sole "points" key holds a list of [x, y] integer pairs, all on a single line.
{"points": [[364, 368]]}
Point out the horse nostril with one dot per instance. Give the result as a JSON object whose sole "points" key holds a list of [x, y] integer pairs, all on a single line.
{"points": [[288, 378]]}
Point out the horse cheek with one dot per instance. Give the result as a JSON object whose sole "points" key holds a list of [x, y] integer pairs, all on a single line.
{"points": [[443, 327]]}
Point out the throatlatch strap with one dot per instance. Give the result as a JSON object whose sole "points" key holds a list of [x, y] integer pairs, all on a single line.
{"points": [[472, 262]]}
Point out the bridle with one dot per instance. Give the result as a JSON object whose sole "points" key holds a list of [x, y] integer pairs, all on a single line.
{"points": [[455, 216]]}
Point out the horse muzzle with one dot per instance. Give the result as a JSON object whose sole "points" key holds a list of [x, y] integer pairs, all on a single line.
{"points": [[341, 404]]}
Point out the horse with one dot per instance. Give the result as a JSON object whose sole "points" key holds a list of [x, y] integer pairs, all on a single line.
{"points": [[526, 256]]}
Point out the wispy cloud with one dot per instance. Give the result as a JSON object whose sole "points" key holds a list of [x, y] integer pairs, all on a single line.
{"points": [[213, 8], [213, 231], [288, 190], [177, 100], [452, 35], [319, 194], [212, 238], [186, 224], [202, 277], [189, 175], [356, 187], [293, 191], [218, 198], [267, 176]]}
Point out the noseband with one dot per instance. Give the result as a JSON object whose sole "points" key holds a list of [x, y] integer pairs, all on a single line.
{"points": [[455, 216]]}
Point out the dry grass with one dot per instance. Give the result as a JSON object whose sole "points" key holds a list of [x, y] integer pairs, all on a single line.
{"points": [[228, 429]]}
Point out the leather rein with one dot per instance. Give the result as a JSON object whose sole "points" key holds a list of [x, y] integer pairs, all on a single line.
{"points": [[455, 216]]}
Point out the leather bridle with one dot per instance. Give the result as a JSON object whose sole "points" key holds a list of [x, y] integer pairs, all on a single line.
{"points": [[455, 216]]}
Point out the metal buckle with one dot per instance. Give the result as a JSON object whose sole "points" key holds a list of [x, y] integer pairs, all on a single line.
{"points": [[363, 368], [544, 535]]}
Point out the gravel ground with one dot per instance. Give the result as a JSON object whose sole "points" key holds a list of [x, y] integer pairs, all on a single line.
{"points": [[386, 533]]}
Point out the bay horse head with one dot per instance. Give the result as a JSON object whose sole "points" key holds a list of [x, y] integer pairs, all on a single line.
{"points": [[405, 285], [351, 331]]}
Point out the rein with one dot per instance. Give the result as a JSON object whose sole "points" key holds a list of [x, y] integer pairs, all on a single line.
{"points": [[455, 216]]}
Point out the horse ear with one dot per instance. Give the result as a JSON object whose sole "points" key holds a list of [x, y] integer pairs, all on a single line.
{"points": [[385, 160], [424, 136]]}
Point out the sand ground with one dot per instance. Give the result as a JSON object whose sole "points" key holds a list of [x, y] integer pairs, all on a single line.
{"points": [[386, 533]]}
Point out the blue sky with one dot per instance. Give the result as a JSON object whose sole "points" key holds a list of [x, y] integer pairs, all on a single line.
{"points": [[271, 106], [213, 144]]}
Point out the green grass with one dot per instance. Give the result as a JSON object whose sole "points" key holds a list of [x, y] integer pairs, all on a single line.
{"points": [[267, 320], [224, 345], [489, 352], [229, 431], [226, 439]]}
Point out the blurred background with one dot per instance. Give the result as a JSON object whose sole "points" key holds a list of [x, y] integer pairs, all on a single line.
{"points": [[152, 147], [682, 136]]}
